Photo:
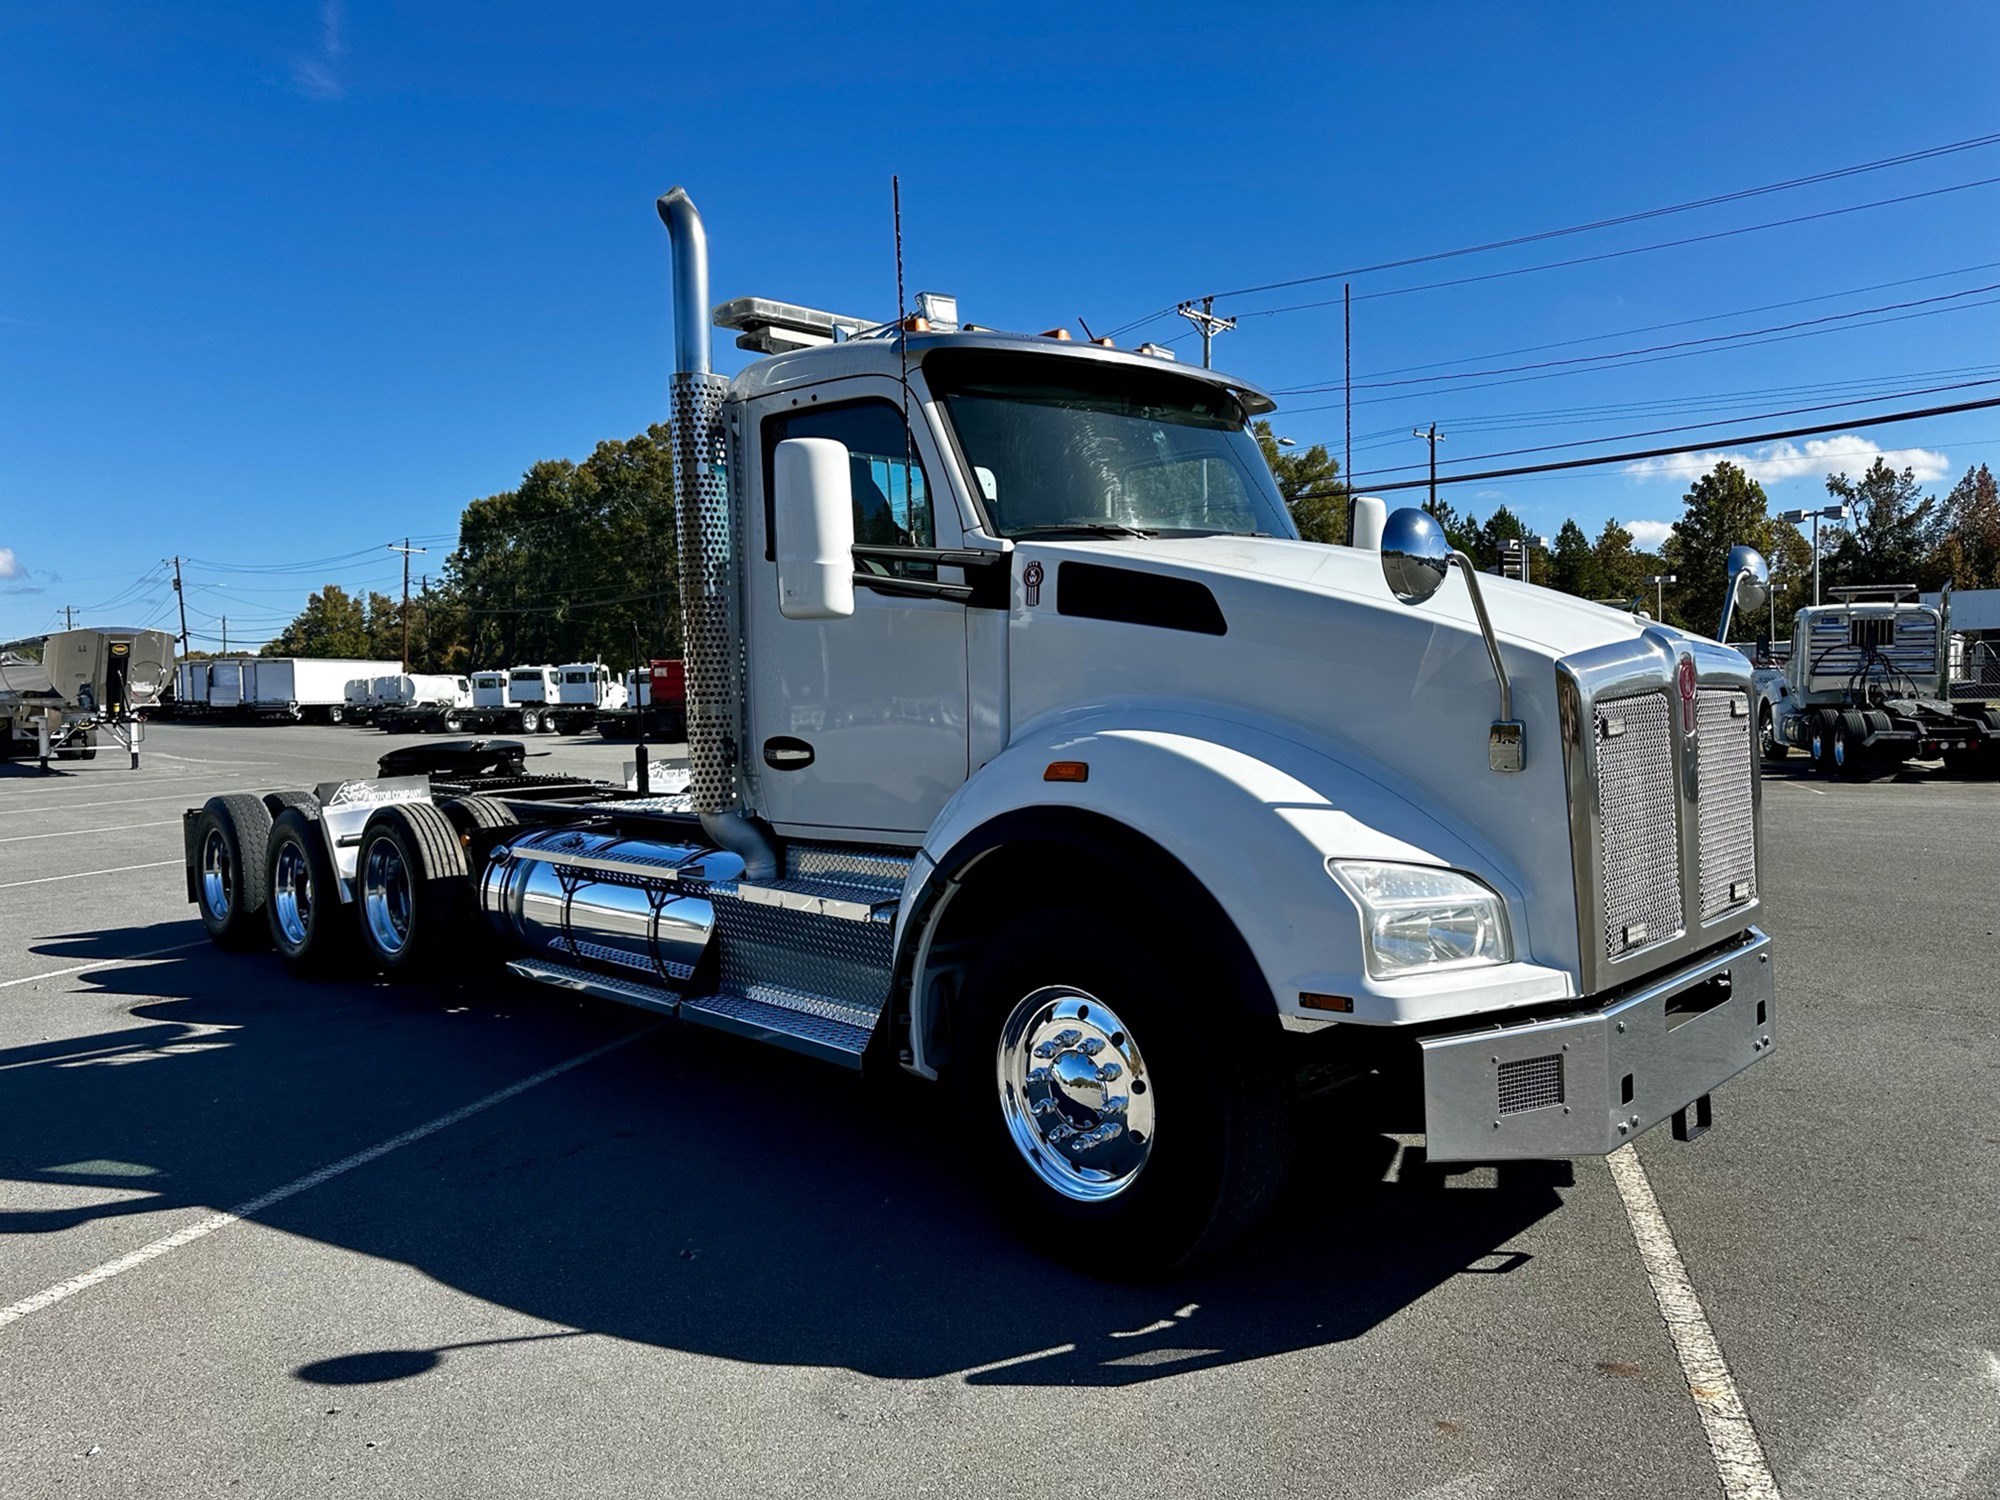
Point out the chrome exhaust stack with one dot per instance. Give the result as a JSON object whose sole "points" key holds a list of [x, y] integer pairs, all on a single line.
{"points": [[706, 529]]}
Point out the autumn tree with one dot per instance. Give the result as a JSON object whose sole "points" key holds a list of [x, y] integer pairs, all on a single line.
{"points": [[1965, 550], [333, 623], [1310, 484], [1888, 531]]}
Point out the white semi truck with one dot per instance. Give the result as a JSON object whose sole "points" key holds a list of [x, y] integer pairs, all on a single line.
{"points": [[1033, 754], [584, 691], [1867, 686]]}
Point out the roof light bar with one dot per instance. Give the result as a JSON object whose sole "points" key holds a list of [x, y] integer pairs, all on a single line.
{"points": [[767, 327]]}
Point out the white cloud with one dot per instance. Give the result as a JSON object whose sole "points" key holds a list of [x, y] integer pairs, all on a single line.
{"points": [[314, 76], [1780, 461], [10, 565], [1650, 535]]}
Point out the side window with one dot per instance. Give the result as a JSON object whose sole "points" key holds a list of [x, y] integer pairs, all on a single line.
{"points": [[892, 496]]}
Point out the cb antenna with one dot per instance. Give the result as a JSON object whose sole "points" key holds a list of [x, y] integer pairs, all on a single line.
{"points": [[903, 351]]}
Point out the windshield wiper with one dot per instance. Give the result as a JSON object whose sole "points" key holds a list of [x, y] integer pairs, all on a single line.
{"points": [[1082, 528]]}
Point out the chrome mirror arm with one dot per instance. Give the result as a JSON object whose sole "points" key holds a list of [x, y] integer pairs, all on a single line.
{"points": [[1506, 741], [1486, 629]]}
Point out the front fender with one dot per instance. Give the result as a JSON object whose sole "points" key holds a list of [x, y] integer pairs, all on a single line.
{"points": [[1254, 816]]}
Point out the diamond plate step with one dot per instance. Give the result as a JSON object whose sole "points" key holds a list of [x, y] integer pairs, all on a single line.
{"points": [[814, 1034], [603, 986]]}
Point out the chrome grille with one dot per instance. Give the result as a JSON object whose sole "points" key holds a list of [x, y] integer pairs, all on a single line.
{"points": [[1727, 818], [1529, 1083], [1638, 831]]}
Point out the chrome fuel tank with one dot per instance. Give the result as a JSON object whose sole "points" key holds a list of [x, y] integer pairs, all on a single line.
{"points": [[629, 906]]}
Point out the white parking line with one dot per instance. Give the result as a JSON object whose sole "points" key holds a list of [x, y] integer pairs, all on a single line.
{"points": [[188, 1234], [12, 812], [104, 963], [1732, 1440], [71, 833], [80, 874]]}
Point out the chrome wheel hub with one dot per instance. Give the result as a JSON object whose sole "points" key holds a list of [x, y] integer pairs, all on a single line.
{"points": [[292, 893], [385, 897], [218, 876], [1075, 1093]]}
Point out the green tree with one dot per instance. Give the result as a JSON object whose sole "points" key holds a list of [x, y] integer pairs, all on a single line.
{"points": [[333, 623], [1620, 571], [1889, 531], [1572, 565], [1723, 508], [1311, 486]]}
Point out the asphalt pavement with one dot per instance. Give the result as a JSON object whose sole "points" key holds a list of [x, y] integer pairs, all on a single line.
{"points": [[609, 1256]]}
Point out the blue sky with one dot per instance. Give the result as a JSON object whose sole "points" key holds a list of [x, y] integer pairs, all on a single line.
{"points": [[280, 283]]}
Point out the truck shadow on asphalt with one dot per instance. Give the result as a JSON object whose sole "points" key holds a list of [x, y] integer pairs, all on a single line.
{"points": [[689, 1190]]}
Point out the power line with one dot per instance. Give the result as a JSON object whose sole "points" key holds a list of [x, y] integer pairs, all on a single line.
{"points": [[1654, 359], [1881, 420], [1769, 416], [1609, 223], [1627, 354], [1741, 312]]}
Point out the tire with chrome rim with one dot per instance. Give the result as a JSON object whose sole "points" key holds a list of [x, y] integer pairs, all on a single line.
{"points": [[412, 888], [1773, 748], [228, 851], [1132, 1116], [531, 721], [309, 927]]}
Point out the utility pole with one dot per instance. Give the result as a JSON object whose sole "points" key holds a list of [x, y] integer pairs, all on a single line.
{"points": [[69, 617], [1204, 318], [180, 597], [406, 549], [1432, 436], [225, 635], [1347, 397]]}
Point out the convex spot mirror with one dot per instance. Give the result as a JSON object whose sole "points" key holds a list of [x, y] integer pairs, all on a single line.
{"points": [[1415, 555], [815, 522], [1752, 577]]}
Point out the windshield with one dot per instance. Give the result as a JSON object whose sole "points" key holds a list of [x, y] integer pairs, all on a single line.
{"points": [[1061, 445]]}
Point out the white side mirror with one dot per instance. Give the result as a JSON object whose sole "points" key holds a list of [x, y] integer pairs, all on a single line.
{"points": [[815, 520]]}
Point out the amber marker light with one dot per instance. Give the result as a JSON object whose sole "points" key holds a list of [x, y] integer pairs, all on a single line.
{"points": [[1067, 770], [1311, 1001]]}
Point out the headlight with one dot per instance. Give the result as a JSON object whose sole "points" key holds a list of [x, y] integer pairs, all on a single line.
{"points": [[1417, 917]]}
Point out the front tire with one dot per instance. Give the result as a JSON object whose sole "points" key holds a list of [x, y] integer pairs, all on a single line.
{"points": [[531, 721], [1076, 1048], [309, 927], [1774, 749]]}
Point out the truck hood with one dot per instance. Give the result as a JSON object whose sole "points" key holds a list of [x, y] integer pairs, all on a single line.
{"points": [[1526, 614], [1306, 641]]}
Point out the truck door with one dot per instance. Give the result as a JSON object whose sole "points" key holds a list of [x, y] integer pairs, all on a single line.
{"points": [[856, 725]]}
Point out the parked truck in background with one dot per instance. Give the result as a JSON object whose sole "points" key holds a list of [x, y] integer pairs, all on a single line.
{"points": [[584, 690], [419, 702], [534, 691], [1031, 753], [1866, 687], [656, 704]]}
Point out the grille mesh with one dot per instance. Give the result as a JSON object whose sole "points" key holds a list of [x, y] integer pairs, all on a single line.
{"points": [[1728, 835], [1638, 833], [704, 535], [1530, 1083]]}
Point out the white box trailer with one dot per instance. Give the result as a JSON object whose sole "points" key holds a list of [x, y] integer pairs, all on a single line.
{"points": [[1077, 785], [190, 688], [304, 688], [225, 683]]}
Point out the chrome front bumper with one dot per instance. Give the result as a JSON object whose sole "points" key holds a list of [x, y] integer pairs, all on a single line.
{"points": [[1583, 1085]]}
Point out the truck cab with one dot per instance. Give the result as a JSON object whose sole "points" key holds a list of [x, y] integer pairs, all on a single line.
{"points": [[1032, 753]]}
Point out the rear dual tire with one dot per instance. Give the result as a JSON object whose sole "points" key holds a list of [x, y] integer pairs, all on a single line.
{"points": [[413, 890], [231, 849], [309, 926]]}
